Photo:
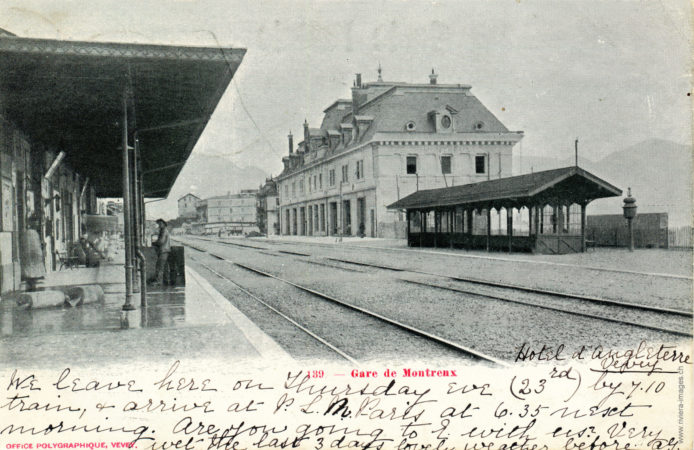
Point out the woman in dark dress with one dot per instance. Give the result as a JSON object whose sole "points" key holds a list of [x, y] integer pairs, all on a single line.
{"points": [[31, 253]]}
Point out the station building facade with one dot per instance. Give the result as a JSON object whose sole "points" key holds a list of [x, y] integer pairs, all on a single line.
{"points": [[389, 140], [51, 202]]}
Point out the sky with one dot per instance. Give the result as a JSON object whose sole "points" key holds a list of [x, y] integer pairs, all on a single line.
{"points": [[612, 73]]}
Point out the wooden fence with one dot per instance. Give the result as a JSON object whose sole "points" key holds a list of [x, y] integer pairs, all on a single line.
{"points": [[680, 237]]}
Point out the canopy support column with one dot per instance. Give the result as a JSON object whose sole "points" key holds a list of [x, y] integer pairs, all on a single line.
{"points": [[423, 226], [139, 220], [489, 226], [127, 225], [451, 226], [583, 227], [509, 227]]}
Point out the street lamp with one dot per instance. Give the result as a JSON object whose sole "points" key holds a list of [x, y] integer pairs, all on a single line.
{"points": [[629, 214]]}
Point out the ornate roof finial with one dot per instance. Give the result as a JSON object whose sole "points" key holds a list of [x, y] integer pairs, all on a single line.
{"points": [[379, 72]]}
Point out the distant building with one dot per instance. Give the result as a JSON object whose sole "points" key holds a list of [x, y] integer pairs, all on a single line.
{"points": [[187, 206], [268, 207], [231, 213], [388, 141]]}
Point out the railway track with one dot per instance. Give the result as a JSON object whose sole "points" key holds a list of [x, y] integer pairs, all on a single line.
{"points": [[336, 350], [550, 308], [403, 327], [611, 304], [513, 287], [507, 286]]}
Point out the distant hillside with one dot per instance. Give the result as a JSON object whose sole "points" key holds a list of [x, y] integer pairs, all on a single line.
{"points": [[207, 176], [659, 173]]}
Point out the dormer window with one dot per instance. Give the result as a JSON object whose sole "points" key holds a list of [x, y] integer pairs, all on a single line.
{"points": [[442, 119], [410, 126]]}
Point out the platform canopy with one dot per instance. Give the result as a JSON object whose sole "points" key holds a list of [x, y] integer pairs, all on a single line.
{"points": [[562, 186], [69, 96]]}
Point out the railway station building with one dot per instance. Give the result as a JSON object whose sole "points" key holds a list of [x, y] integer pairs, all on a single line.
{"points": [[389, 140], [541, 212], [86, 120]]}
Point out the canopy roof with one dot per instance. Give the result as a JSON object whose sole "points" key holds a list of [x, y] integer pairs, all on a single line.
{"points": [[568, 184], [69, 95]]}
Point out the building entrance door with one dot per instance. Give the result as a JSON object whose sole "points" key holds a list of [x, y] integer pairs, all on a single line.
{"points": [[373, 223], [302, 221], [295, 222], [333, 218], [310, 221], [361, 216], [346, 218]]}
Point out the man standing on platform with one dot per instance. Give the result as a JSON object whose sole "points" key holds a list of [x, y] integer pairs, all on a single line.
{"points": [[163, 249]]}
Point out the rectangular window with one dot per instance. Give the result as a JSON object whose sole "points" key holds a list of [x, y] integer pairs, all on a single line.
{"points": [[345, 175], [320, 181], [331, 177], [301, 186], [480, 164], [360, 169], [446, 164], [293, 188], [411, 165]]}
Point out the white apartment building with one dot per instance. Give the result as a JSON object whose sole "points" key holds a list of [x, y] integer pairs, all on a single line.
{"points": [[388, 141], [231, 213]]}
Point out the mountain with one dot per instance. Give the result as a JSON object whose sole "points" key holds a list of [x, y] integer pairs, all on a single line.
{"points": [[209, 175], [206, 176], [658, 171]]}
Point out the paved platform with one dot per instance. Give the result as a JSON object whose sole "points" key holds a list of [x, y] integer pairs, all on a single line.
{"points": [[191, 322]]}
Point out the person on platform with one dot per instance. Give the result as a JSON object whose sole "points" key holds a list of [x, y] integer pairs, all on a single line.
{"points": [[32, 254], [163, 246]]}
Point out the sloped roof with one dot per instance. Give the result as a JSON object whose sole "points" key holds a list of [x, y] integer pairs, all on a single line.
{"points": [[392, 112], [70, 95], [334, 113], [386, 108], [570, 183]]}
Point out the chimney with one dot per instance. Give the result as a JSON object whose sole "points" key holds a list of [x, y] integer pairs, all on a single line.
{"points": [[307, 137], [432, 77], [290, 138], [358, 83]]}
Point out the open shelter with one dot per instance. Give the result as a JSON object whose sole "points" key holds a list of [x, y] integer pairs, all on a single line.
{"points": [[542, 212]]}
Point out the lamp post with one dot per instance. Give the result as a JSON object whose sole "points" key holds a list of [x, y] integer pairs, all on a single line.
{"points": [[629, 214]]}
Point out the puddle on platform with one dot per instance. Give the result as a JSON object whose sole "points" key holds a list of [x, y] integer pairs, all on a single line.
{"points": [[166, 308]]}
